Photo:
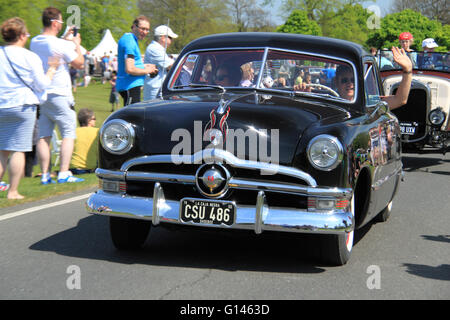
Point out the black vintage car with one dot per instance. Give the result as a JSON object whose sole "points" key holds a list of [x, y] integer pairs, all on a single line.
{"points": [[239, 141], [424, 119]]}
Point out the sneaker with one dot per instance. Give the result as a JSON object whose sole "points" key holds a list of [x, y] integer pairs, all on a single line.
{"points": [[49, 181], [4, 186], [70, 179]]}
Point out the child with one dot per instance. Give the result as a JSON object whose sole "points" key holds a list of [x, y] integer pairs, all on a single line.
{"points": [[114, 95]]}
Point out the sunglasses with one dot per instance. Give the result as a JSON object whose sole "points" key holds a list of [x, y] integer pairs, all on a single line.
{"points": [[345, 80], [143, 29]]}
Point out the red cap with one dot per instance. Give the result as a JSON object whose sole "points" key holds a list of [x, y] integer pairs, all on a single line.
{"points": [[405, 36]]}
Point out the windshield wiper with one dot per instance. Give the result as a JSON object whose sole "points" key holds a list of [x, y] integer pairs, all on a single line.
{"points": [[197, 85]]}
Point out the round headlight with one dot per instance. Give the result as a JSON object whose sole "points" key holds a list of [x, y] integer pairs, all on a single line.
{"points": [[117, 136], [437, 117], [325, 152]]}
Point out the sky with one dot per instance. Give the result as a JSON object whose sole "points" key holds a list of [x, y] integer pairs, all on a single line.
{"points": [[384, 6]]}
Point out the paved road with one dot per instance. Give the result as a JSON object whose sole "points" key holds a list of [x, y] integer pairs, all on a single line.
{"points": [[64, 253]]}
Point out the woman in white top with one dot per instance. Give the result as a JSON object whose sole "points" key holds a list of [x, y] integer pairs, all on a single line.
{"points": [[22, 82]]}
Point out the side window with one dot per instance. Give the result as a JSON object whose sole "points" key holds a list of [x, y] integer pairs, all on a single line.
{"points": [[371, 88]]}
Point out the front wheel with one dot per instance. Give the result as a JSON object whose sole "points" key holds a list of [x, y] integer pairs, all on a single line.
{"points": [[128, 234], [336, 249]]}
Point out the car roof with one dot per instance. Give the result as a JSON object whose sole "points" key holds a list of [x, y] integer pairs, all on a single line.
{"points": [[297, 42]]}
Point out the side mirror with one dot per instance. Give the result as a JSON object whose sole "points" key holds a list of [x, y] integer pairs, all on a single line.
{"points": [[380, 108]]}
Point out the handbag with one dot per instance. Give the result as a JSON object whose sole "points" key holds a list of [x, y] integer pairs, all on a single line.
{"points": [[41, 96]]}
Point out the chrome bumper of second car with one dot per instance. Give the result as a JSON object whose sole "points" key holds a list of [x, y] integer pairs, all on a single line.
{"points": [[259, 217]]}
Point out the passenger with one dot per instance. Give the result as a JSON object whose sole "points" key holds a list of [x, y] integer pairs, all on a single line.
{"points": [[428, 60], [406, 40], [247, 75], [227, 76]]}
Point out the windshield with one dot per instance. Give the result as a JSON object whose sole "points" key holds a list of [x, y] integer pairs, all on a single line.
{"points": [[437, 61], [271, 70]]}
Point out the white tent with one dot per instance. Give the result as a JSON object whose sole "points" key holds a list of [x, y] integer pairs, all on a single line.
{"points": [[107, 46]]}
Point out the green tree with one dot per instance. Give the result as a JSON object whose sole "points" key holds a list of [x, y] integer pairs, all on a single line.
{"points": [[298, 22], [349, 23], [432, 9], [408, 20], [189, 19], [249, 15], [29, 11], [97, 16]]}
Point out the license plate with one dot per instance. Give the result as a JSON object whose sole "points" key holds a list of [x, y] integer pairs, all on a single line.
{"points": [[408, 128], [207, 211]]}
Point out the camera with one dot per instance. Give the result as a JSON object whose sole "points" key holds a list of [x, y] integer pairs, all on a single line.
{"points": [[75, 31]]}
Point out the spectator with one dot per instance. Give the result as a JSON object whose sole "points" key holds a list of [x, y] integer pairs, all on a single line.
{"points": [[328, 74], [73, 78], [58, 108], [91, 63], [131, 69], [406, 40], [22, 82], [299, 76], [156, 54], [114, 95], [428, 60], [84, 157]]}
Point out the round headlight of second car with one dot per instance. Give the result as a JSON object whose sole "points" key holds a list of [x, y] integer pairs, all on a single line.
{"points": [[325, 152], [436, 117], [117, 136]]}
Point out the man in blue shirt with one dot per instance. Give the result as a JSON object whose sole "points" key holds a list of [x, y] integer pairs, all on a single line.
{"points": [[131, 69]]}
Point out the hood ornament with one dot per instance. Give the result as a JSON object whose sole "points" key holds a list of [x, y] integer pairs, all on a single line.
{"points": [[216, 130]]}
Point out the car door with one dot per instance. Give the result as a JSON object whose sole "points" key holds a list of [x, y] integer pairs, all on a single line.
{"points": [[384, 140]]}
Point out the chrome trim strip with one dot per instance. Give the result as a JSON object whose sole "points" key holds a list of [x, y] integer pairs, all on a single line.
{"points": [[272, 219], [110, 174], [162, 177], [377, 184], [221, 156]]}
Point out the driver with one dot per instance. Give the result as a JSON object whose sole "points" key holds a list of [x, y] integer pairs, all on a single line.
{"points": [[345, 81]]}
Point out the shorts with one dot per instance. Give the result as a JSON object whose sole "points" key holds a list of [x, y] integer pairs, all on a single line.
{"points": [[131, 96], [57, 110], [16, 128]]}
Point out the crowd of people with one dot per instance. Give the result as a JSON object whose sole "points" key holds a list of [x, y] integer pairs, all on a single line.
{"points": [[424, 59], [36, 94], [37, 85]]}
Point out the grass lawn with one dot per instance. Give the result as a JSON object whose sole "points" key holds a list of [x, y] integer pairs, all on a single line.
{"points": [[95, 97]]}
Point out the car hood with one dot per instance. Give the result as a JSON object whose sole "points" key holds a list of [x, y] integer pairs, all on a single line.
{"points": [[254, 126]]}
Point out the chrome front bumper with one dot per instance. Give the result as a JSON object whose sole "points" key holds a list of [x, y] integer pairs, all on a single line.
{"points": [[259, 218]]}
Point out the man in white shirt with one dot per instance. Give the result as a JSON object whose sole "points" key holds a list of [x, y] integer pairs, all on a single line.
{"points": [[156, 54], [58, 109]]}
